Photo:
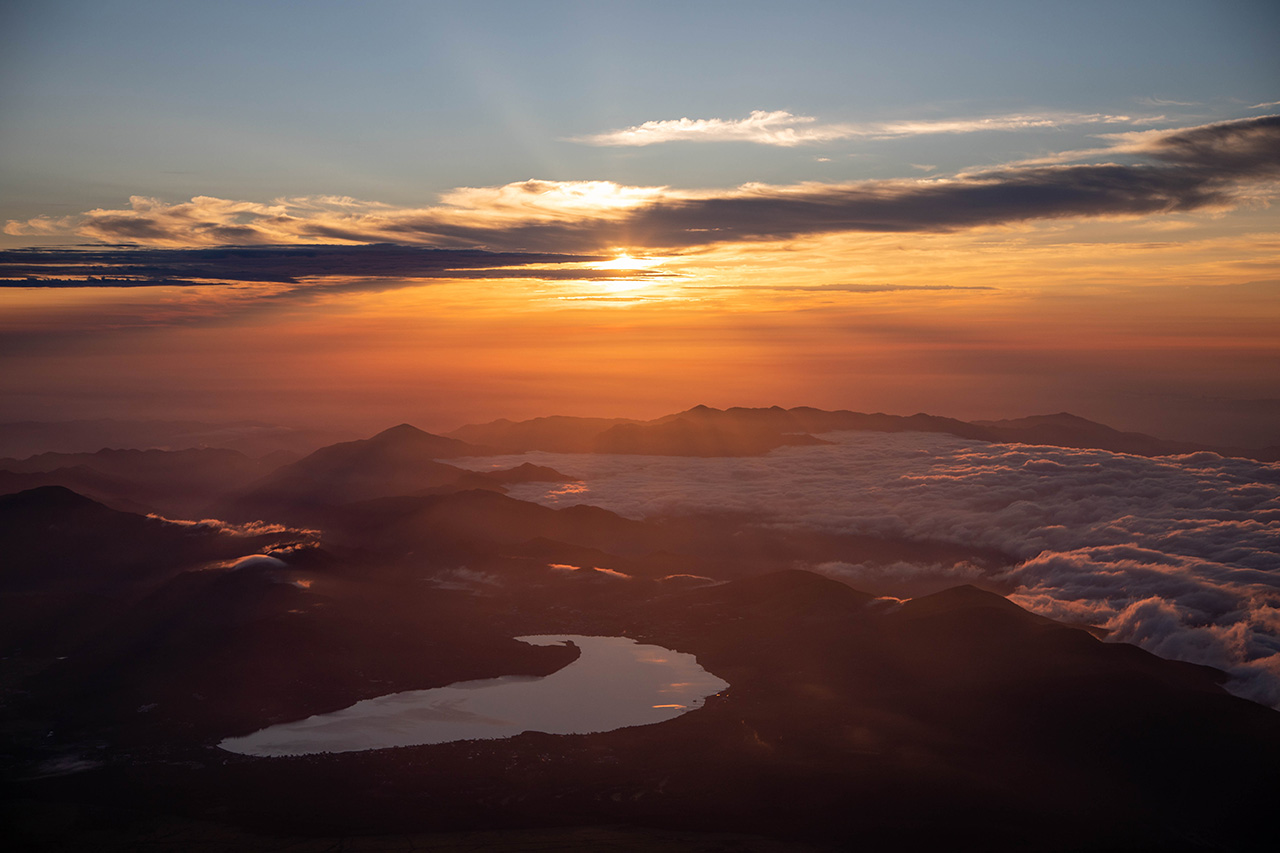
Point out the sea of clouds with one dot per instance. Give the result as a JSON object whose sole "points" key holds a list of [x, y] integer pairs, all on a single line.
{"points": [[1179, 555]]}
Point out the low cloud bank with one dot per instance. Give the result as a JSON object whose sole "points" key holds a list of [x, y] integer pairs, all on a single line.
{"points": [[1179, 555], [251, 528]]}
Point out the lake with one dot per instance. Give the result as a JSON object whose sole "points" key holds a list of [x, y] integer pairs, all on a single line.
{"points": [[614, 684]]}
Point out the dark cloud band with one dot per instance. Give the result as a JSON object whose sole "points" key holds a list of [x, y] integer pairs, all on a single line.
{"points": [[133, 266]]}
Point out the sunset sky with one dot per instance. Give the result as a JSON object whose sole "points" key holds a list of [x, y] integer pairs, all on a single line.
{"points": [[979, 210]]}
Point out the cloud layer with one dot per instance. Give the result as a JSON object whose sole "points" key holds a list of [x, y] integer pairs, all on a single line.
{"points": [[1210, 167], [1180, 555]]}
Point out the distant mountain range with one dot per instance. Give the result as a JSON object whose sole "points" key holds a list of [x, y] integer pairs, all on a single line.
{"points": [[404, 460], [177, 483], [704, 431], [252, 438]]}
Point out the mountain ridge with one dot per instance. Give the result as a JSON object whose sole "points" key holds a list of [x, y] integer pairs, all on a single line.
{"points": [[741, 431]]}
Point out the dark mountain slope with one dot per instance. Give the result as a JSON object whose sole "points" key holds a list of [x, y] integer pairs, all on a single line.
{"points": [[68, 564], [53, 538], [397, 461], [557, 433], [464, 527], [102, 488], [955, 722], [476, 521], [852, 718], [217, 653], [174, 483], [1067, 430]]}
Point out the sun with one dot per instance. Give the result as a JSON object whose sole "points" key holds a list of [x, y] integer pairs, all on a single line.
{"points": [[624, 261]]}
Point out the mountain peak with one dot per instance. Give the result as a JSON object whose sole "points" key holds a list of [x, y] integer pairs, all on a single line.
{"points": [[46, 498], [400, 431], [965, 597]]}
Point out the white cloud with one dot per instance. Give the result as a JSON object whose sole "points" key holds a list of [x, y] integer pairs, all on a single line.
{"points": [[1180, 555], [767, 128], [785, 129], [252, 528], [253, 561]]}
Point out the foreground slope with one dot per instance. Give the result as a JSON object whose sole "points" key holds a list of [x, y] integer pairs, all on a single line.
{"points": [[956, 719]]}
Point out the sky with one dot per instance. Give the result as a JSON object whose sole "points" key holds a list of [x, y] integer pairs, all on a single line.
{"points": [[361, 214]]}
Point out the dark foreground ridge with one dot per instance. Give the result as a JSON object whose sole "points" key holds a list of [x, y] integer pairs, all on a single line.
{"points": [[846, 722], [132, 645]]}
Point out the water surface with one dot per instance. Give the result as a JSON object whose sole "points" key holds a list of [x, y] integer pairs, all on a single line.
{"points": [[616, 683]]}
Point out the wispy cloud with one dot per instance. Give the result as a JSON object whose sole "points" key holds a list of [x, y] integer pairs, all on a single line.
{"points": [[1166, 102], [1209, 167], [767, 128], [862, 288], [784, 129]]}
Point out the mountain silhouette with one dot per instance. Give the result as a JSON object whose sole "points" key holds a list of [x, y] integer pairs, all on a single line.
{"points": [[177, 483], [397, 461], [70, 563], [706, 431], [54, 537]]}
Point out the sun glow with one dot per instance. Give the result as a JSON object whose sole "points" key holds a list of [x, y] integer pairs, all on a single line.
{"points": [[624, 285], [624, 261]]}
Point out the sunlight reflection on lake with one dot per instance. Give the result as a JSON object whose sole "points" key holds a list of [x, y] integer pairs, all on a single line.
{"points": [[616, 683]]}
